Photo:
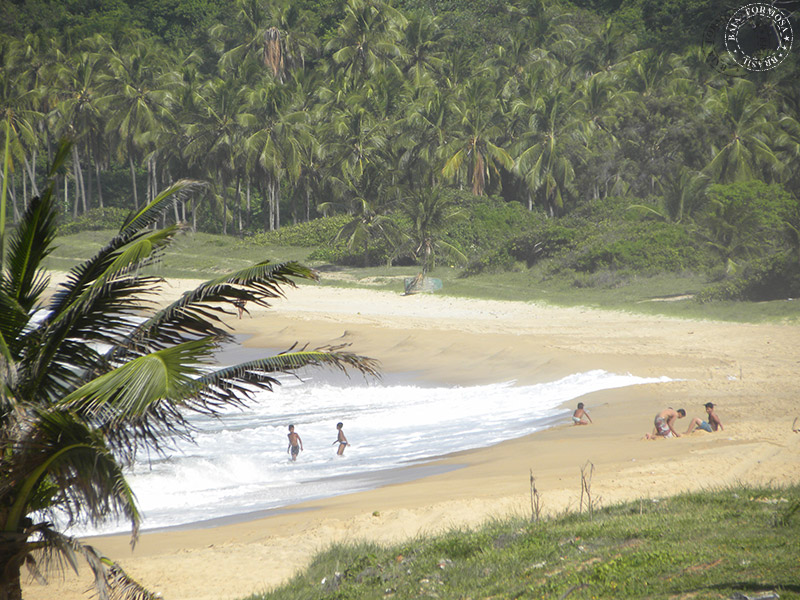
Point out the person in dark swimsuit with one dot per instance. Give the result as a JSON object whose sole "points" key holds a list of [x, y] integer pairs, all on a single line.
{"points": [[295, 443], [341, 439]]}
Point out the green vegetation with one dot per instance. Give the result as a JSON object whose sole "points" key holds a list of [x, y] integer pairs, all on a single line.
{"points": [[87, 384], [589, 139], [710, 544]]}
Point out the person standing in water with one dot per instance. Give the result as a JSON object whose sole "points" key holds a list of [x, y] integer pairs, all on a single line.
{"points": [[295, 443], [341, 439]]}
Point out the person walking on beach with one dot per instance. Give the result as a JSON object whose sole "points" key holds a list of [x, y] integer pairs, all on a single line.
{"points": [[341, 439], [577, 416], [295, 443], [664, 424], [713, 423]]}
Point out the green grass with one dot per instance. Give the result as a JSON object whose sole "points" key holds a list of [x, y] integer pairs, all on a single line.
{"points": [[192, 256], [700, 545], [203, 256]]}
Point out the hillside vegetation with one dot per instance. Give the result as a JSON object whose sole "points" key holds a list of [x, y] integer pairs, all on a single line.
{"points": [[590, 141]]}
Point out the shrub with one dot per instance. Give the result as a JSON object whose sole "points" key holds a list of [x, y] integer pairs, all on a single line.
{"points": [[94, 220], [317, 232], [771, 278]]}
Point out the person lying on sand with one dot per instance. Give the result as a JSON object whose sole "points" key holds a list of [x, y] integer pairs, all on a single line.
{"points": [[580, 412], [664, 424], [713, 423]]}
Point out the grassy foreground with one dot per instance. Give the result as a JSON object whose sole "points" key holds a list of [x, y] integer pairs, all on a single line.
{"points": [[701, 545]]}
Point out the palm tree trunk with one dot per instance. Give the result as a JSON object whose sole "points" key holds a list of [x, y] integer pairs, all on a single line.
{"points": [[99, 185], [77, 199], [80, 190], [239, 201], [149, 197], [224, 205], [278, 204], [133, 181], [249, 210], [30, 168], [10, 583], [14, 199]]}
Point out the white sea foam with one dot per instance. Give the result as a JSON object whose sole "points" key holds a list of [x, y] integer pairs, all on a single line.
{"points": [[240, 464]]}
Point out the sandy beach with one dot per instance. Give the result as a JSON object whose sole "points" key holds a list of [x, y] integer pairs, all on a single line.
{"points": [[748, 371]]}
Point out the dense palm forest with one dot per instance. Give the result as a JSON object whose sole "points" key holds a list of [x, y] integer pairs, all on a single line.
{"points": [[401, 121]]}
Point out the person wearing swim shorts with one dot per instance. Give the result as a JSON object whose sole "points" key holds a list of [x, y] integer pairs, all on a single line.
{"points": [[577, 416], [295, 443], [713, 423], [341, 439], [664, 424]]}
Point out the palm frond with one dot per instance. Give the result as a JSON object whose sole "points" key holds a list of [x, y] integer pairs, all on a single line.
{"points": [[199, 312], [83, 275], [237, 383], [29, 245], [111, 581], [130, 390]]}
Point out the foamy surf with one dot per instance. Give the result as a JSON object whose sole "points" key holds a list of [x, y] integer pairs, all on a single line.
{"points": [[240, 463]]}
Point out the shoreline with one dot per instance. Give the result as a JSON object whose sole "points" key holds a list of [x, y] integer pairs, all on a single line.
{"points": [[749, 371]]}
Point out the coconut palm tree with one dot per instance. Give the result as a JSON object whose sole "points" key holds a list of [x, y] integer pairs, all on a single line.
{"points": [[367, 40], [430, 210], [273, 34], [95, 376], [473, 150], [137, 99], [546, 160], [746, 150]]}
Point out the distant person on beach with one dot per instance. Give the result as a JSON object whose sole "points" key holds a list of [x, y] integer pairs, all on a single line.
{"points": [[713, 423], [295, 443], [664, 424], [341, 439], [239, 304], [577, 416]]}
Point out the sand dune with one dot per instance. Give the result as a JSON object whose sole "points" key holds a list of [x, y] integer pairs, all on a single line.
{"points": [[750, 371]]}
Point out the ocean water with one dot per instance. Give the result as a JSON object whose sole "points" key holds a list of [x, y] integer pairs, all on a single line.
{"points": [[240, 463]]}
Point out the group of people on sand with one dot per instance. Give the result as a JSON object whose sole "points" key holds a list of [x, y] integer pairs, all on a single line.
{"points": [[664, 423], [296, 444]]}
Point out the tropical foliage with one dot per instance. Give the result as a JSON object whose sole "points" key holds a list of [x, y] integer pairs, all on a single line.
{"points": [[299, 109], [95, 374]]}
